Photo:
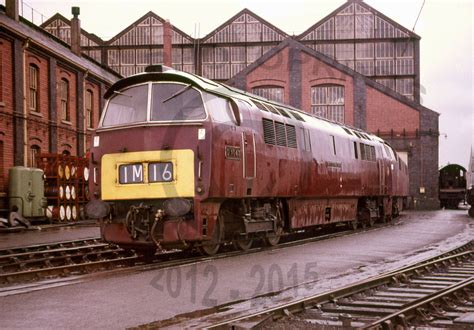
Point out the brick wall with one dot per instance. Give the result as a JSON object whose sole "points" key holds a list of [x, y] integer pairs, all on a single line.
{"points": [[385, 113], [6, 111]]}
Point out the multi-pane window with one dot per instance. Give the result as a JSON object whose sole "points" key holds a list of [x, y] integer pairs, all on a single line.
{"points": [[326, 49], [390, 83], [345, 54], [405, 86], [364, 23], [344, 26], [89, 109], [34, 152], [221, 63], [33, 87], [344, 36], [273, 93], [328, 101], [64, 99], [365, 58]]}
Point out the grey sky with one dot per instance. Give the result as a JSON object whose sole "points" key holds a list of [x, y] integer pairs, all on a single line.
{"points": [[447, 64]]}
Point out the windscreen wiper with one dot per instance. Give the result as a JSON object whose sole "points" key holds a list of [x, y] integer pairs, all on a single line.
{"points": [[177, 93], [120, 93]]}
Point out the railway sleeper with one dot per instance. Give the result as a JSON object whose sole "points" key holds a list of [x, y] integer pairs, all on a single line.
{"points": [[367, 311]]}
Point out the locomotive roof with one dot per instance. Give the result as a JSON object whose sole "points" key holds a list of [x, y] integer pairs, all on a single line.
{"points": [[163, 73], [452, 167]]}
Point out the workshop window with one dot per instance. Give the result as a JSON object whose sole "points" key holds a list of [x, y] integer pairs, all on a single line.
{"points": [[327, 101], [344, 27], [64, 99], [89, 109], [34, 152], [405, 86], [273, 93], [33, 87], [364, 24]]}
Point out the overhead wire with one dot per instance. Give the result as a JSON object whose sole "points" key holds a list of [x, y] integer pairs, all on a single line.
{"points": [[419, 14]]}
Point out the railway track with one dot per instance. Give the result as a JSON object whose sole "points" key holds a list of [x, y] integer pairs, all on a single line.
{"points": [[435, 293], [36, 262], [81, 258]]}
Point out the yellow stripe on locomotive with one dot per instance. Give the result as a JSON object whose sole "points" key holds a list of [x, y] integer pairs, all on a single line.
{"points": [[148, 175]]}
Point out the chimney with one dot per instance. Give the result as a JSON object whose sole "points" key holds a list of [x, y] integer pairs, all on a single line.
{"points": [[167, 43], [12, 9], [76, 31]]}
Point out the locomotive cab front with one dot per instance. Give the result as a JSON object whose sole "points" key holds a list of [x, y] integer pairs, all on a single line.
{"points": [[151, 161]]}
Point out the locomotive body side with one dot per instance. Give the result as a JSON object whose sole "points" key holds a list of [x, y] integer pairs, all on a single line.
{"points": [[206, 164]]}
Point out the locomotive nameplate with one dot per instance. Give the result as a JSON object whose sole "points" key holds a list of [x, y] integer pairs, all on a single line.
{"points": [[334, 164], [232, 153]]}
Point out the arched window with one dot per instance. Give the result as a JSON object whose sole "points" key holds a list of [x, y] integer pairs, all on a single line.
{"points": [[66, 153], [33, 87], [35, 150], [89, 109], [328, 101], [64, 99], [273, 93]]}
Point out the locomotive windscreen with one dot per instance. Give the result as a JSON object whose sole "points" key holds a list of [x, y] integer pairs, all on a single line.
{"points": [[169, 102], [126, 107], [176, 102]]}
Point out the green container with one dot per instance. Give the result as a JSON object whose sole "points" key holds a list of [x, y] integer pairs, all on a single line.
{"points": [[26, 191]]}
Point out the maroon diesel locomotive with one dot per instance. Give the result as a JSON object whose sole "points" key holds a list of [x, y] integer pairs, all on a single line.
{"points": [[181, 161]]}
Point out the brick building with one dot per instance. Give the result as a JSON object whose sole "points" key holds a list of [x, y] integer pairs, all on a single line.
{"points": [[50, 96], [355, 66]]}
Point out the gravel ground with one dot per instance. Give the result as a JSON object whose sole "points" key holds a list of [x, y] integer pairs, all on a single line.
{"points": [[48, 235]]}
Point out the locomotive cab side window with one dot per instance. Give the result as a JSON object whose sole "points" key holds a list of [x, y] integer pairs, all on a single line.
{"points": [[305, 139], [333, 144], [220, 109]]}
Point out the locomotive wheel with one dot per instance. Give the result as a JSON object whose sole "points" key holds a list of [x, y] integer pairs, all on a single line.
{"points": [[364, 218], [353, 224], [148, 255], [371, 221], [242, 244], [272, 239], [211, 247]]}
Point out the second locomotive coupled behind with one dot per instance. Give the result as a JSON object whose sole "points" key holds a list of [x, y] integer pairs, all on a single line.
{"points": [[180, 161]]}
